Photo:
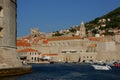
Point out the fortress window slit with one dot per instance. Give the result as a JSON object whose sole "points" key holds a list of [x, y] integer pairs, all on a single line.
{"points": [[1, 11]]}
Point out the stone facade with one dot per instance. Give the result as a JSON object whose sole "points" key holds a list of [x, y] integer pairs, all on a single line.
{"points": [[8, 55], [78, 48], [30, 55], [117, 38], [66, 49]]}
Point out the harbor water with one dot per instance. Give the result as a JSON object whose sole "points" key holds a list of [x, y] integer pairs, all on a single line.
{"points": [[67, 71]]}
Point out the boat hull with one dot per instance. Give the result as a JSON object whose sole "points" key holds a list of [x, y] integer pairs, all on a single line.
{"points": [[101, 67]]}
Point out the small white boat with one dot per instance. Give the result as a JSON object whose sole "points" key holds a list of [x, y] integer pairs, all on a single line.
{"points": [[101, 67]]}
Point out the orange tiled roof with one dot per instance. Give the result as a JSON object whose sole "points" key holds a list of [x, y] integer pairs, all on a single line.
{"points": [[64, 38], [49, 54], [36, 40], [27, 50], [99, 39], [45, 41], [92, 45], [95, 38], [23, 43]]}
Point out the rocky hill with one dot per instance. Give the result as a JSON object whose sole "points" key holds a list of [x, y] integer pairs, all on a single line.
{"points": [[107, 24]]}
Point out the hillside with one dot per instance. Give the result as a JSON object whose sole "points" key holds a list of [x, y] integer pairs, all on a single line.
{"points": [[108, 23]]}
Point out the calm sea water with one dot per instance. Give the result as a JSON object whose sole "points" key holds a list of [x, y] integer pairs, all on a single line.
{"points": [[67, 72]]}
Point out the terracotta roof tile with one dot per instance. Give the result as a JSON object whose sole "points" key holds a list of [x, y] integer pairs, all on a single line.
{"points": [[94, 38], [49, 54], [45, 41], [23, 43], [27, 50], [99, 39], [36, 40], [63, 38], [92, 45]]}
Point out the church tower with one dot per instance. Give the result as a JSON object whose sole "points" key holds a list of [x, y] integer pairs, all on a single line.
{"points": [[8, 54], [82, 29]]}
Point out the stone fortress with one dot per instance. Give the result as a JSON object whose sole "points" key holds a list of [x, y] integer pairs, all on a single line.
{"points": [[10, 63], [8, 56], [69, 48]]}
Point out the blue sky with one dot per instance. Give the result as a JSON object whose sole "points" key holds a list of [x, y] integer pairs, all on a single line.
{"points": [[53, 15]]}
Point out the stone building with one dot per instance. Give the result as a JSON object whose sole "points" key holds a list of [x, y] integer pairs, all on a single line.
{"points": [[29, 55], [117, 38], [76, 48], [106, 48], [65, 49]]}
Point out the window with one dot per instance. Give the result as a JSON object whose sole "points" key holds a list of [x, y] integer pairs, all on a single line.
{"points": [[73, 51], [1, 15], [90, 56], [1, 11], [63, 51]]}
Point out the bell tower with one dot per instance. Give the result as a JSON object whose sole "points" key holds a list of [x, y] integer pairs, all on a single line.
{"points": [[8, 54], [82, 29]]}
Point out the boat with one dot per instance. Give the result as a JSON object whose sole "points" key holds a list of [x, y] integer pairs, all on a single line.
{"points": [[101, 67], [116, 64]]}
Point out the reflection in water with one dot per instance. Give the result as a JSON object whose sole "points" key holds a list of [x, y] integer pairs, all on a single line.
{"points": [[8, 78]]}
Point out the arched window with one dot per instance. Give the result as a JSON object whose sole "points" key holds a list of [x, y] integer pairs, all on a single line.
{"points": [[32, 58]]}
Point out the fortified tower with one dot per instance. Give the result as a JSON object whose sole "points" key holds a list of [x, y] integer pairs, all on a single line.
{"points": [[8, 54]]}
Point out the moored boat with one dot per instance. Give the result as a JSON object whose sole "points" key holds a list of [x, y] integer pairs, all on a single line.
{"points": [[116, 64], [101, 67]]}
